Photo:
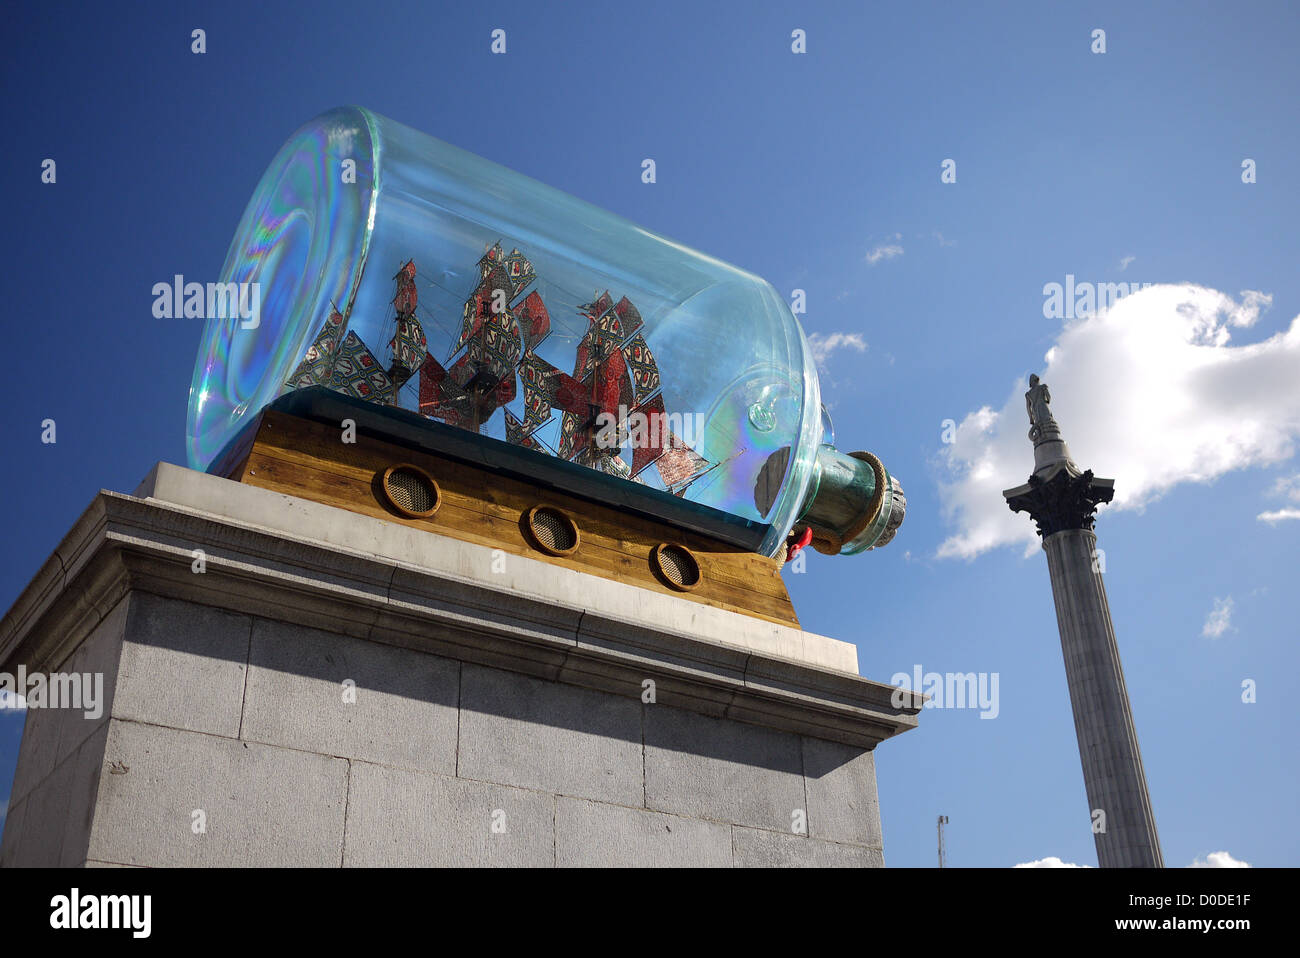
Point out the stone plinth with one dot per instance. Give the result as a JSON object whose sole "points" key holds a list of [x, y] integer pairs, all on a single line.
{"points": [[333, 689]]}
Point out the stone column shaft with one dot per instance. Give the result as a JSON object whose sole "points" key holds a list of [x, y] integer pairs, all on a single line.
{"points": [[1103, 720]]}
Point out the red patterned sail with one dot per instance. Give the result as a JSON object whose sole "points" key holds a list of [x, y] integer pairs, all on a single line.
{"points": [[679, 463], [519, 270], [546, 387], [441, 397], [516, 435], [408, 345], [642, 367], [629, 316], [647, 432], [407, 297], [534, 321], [612, 402]]}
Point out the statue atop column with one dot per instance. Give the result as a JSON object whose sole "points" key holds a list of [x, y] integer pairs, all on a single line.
{"points": [[1040, 414], [1059, 495]]}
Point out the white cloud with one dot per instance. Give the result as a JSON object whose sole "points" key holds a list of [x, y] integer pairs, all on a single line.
{"points": [[1050, 862], [1148, 392], [942, 241], [1219, 620], [1218, 860], [12, 700], [1123, 263], [822, 346], [1287, 487], [884, 251]]}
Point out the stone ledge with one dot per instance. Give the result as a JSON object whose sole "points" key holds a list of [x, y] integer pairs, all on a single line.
{"points": [[429, 552], [288, 559]]}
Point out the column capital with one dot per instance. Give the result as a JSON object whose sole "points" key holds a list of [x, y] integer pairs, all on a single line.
{"points": [[1065, 499]]}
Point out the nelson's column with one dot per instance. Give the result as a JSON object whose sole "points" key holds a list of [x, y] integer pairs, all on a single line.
{"points": [[1062, 500]]}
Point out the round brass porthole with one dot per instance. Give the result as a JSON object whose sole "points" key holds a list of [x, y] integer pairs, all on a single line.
{"points": [[551, 531], [411, 491], [675, 566]]}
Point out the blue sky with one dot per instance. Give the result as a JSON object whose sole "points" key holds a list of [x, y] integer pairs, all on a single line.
{"points": [[818, 171]]}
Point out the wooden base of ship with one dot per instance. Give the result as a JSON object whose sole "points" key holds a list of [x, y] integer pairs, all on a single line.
{"points": [[309, 459]]}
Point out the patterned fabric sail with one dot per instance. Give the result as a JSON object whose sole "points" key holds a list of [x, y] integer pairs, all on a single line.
{"points": [[619, 401], [408, 344], [545, 387], [358, 373], [679, 464], [647, 433], [483, 379], [516, 435], [441, 397], [628, 316], [641, 364], [519, 269], [616, 366], [613, 416], [534, 321], [317, 363]]}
